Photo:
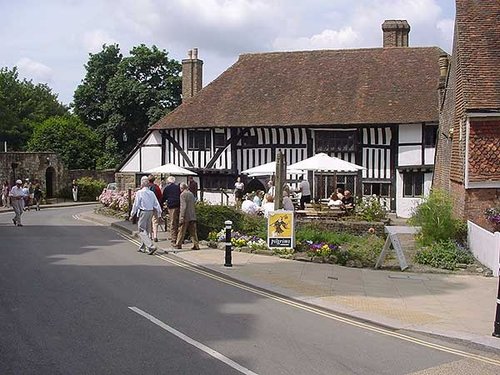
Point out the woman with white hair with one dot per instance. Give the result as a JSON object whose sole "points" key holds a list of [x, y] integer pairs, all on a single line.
{"points": [[145, 204]]}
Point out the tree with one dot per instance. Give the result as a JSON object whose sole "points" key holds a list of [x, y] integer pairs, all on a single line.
{"points": [[76, 143], [121, 97], [23, 104], [90, 97]]}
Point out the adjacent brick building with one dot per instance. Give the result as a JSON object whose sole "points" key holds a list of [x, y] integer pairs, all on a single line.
{"points": [[468, 149]]}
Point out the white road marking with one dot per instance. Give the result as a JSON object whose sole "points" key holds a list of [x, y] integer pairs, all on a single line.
{"points": [[193, 342]]}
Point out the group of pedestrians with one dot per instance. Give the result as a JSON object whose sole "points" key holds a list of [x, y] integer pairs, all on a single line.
{"points": [[21, 197], [180, 203]]}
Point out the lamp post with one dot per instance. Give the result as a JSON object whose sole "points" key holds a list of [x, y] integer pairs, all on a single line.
{"points": [[14, 165]]}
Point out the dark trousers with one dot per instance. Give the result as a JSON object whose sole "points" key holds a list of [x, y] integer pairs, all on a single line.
{"points": [[188, 226], [173, 218], [303, 200]]}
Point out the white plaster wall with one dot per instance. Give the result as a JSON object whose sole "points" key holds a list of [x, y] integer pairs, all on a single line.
{"points": [[410, 155], [405, 206], [132, 165], [410, 133], [151, 157], [154, 138]]}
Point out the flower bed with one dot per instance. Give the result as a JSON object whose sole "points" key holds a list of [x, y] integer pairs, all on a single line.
{"points": [[313, 244], [115, 199], [493, 216]]}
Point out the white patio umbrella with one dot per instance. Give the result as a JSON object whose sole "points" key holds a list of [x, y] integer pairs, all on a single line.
{"points": [[171, 169], [266, 169], [323, 163]]}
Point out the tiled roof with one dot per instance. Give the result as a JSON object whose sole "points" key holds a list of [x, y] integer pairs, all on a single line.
{"points": [[478, 53], [327, 87]]}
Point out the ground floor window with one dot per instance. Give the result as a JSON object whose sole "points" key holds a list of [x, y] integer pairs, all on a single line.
{"points": [[377, 188], [413, 184], [215, 182], [325, 184]]}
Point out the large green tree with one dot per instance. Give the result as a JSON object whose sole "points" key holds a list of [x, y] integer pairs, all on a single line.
{"points": [[76, 143], [121, 97], [22, 105]]}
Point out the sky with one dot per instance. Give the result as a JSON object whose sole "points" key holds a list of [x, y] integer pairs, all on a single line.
{"points": [[49, 41]]}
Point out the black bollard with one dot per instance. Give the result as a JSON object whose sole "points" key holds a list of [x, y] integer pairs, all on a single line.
{"points": [[229, 226], [496, 332]]}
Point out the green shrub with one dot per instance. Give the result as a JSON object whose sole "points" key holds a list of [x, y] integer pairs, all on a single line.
{"points": [[253, 225], [443, 254], [211, 218], [89, 189], [435, 216], [310, 232], [370, 209], [365, 250]]}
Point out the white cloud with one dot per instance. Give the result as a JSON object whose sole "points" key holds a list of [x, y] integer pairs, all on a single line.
{"points": [[446, 27], [94, 40], [35, 70], [333, 39], [221, 29]]}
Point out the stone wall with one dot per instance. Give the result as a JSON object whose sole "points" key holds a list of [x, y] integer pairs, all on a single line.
{"points": [[125, 180], [353, 227], [35, 166]]}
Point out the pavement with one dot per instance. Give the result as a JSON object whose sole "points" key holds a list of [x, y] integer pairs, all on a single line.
{"points": [[454, 306]]}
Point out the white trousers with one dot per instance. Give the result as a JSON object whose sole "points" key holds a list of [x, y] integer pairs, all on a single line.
{"points": [[144, 226], [18, 206]]}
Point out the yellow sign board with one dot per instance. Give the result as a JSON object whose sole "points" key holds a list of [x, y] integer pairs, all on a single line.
{"points": [[281, 229]]}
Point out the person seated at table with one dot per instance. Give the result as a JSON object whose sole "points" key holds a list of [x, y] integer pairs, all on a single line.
{"points": [[248, 206], [348, 201], [340, 193], [287, 202], [257, 199], [268, 206], [334, 201]]}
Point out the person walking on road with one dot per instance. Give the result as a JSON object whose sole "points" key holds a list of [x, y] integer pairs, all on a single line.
{"points": [[37, 196], [74, 190], [145, 204], [187, 218], [5, 194], [17, 201], [172, 196]]}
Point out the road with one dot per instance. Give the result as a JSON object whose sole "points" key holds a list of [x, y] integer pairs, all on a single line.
{"points": [[76, 298]]}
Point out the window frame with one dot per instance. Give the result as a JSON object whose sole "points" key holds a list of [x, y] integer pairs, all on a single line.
{"points": [[411, 181], [199, 140]]}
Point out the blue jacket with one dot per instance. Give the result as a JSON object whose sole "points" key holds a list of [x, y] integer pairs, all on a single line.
{"points": [[171, 195]]}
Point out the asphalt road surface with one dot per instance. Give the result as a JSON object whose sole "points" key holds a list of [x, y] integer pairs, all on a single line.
{"points": [[76, 298]]}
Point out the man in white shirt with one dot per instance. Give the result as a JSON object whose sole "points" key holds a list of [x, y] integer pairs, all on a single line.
{"points": [[305, 190], [145, 204], [17, 201]]}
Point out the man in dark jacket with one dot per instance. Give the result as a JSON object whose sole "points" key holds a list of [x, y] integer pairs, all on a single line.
{"points": [[187, 218], [171, 195]]}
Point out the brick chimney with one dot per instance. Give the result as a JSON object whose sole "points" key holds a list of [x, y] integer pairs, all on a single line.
{"points": [[192, 72], [395, 33]]}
